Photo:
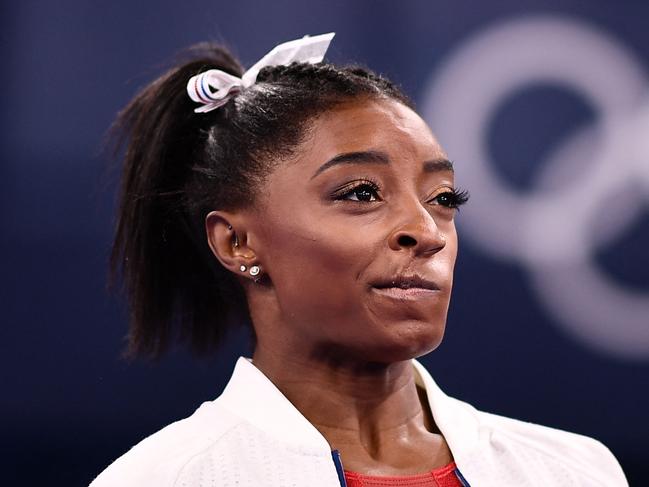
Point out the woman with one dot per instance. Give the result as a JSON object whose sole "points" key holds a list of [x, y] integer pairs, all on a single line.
{"points": [[312, 201]]}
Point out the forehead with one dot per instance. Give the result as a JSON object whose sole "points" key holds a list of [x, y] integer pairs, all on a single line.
{"points": [[383, 125]]}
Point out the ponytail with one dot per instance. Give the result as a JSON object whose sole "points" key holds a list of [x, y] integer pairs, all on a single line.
{"points": [[157, 249]]}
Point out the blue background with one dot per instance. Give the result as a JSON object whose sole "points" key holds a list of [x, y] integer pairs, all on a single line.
{"points": [[70, 405]]}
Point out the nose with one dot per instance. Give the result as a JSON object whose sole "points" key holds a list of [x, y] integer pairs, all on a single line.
{"points": [[418, 232]]}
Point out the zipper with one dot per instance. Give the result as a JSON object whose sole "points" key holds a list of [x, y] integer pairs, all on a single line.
{"points": [[339, 468], [461, 478]]}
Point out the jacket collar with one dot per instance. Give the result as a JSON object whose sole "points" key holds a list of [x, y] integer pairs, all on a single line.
{"points": [[457, 420], [252, 396]]}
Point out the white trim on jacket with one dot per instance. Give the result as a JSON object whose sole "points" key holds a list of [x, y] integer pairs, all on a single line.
{"points": [[252, 436]]}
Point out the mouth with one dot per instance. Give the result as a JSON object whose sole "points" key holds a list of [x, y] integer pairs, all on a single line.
{"points": [[406, 287]]}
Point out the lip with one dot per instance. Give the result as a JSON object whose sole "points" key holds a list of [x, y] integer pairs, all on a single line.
{"points": [[407, 281], [405, 294], [406, 287]]}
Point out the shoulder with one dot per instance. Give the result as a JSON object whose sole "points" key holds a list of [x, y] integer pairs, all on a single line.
{"points": [[160, 458], [561, 453], [497, 450]]}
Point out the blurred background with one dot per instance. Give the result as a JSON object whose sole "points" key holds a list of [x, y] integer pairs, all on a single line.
{"points": [[543, 107]]}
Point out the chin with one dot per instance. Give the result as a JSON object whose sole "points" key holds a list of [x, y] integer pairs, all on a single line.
{"points": [[414, 339]]}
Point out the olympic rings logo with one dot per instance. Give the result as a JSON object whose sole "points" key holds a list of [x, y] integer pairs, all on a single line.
{"points": [[535, 229]]}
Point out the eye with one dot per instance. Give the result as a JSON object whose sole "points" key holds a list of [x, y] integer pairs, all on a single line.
{"points": [[452, 199], [363, 192]]}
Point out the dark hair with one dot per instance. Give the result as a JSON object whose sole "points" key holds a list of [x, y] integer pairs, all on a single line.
{"points": [[180, 165]]}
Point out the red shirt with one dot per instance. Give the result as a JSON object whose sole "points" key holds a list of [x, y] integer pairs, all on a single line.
{"points": [[440, 477]]}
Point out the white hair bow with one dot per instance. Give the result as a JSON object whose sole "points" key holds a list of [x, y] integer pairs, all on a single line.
{"points": [[214, 88]]}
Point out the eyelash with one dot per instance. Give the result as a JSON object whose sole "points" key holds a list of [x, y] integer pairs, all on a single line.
{"points": [[456, 197]]}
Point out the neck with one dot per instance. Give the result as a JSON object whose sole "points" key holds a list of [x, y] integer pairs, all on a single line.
{"points": [[350, 402], [372, 412]]}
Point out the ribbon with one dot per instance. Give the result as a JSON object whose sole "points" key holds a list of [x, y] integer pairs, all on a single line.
{"points": [[214, 88]]}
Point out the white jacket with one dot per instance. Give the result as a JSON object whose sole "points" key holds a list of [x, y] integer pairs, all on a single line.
{"points": [[252, 436]]}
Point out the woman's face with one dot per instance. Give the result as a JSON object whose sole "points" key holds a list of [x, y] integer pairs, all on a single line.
{"points": [[357, 237]]}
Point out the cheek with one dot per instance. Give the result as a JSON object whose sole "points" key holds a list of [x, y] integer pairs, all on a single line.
{"points": [[451, 245], [315, 273], [445, 260]]}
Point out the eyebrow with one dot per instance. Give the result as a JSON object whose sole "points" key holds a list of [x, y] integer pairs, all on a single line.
{"points": [[378, 157]]}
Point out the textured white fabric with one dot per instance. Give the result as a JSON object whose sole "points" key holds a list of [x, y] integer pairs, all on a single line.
{"points": [[252, 436]]}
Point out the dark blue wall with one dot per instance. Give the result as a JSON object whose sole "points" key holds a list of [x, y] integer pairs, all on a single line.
{"points": [[69, 404]]}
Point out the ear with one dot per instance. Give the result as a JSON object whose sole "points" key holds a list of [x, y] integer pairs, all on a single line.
{"points": [[227, 237]]}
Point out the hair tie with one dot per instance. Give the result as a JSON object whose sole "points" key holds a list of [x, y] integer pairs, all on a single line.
{"points": [[214, 87]]}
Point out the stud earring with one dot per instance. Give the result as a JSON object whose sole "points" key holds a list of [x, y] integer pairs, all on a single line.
{"points": [[254, 270], [242, 268]]}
